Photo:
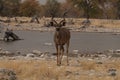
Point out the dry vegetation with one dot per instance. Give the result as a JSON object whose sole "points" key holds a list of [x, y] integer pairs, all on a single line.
{"points": [[25, 22], [82, 69], [79, 69]]}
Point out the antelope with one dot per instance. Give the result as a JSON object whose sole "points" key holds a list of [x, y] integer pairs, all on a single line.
{"points": [[61, 37]]}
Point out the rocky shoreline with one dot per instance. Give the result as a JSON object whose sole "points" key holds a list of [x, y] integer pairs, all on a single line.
{"points": [[36, 54], [89, 61]]}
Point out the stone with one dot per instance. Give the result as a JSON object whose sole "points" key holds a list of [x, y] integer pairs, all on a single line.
{"points": [[68, 73], [48, 44], [75, 51], [6, 53], [37, 52], [99, 62], [6, 74], [30, 55], [112, 72]]}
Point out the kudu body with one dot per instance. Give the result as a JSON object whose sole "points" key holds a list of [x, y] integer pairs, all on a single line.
{"points": [[61, 37]]}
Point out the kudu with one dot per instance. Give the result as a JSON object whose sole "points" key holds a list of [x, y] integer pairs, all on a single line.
{"points": [[61, 37]]}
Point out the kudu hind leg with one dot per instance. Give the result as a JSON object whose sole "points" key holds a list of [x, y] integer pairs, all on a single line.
{"points": [[67, 49]]}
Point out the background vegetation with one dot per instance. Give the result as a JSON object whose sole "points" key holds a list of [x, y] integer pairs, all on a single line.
{"points": [[107, 9]]}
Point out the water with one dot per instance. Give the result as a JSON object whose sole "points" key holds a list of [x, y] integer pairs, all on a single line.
{"points": [[82, 41]]}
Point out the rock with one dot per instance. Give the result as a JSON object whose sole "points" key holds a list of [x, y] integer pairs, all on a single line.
{"points": [[68, 73], [37, 53], [99, 62], [116, 51], [6, 53], [112, 72], [30, 55], [86, 22], [6, 74], [48, 44], [75, 51], [18, 52]]}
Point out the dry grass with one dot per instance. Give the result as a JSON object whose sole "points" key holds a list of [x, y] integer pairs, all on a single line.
{"points": [[109, 23], [47, 70]]}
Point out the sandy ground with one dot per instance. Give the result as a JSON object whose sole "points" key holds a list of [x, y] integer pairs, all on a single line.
{"points": [[97, 66], [80, 68]]}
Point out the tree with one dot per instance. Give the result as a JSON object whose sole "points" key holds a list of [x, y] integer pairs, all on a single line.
{"points": [[9, 7], [118, 9], [30, 8], [52, 8], [107, 7], [1, 6], [86, 5], [73, 11]]}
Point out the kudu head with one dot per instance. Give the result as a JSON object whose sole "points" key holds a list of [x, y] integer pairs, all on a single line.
{"points": [[61, 23], [56, 24]]}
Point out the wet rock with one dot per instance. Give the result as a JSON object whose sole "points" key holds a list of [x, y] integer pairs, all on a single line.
{"points": [[6, 74]]}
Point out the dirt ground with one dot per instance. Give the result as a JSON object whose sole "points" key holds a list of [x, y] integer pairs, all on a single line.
{"points": [[79, 69]]}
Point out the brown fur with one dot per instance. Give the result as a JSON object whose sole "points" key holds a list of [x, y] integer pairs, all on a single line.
{"points": [[61, 37]]}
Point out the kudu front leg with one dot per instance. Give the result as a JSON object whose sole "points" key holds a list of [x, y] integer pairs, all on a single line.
{"points": [[61, 52], [58, 55]]}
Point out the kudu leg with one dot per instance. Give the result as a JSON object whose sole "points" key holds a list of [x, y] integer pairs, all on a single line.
{"points": [[67, 49], [61, 52], [58, 55]]}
